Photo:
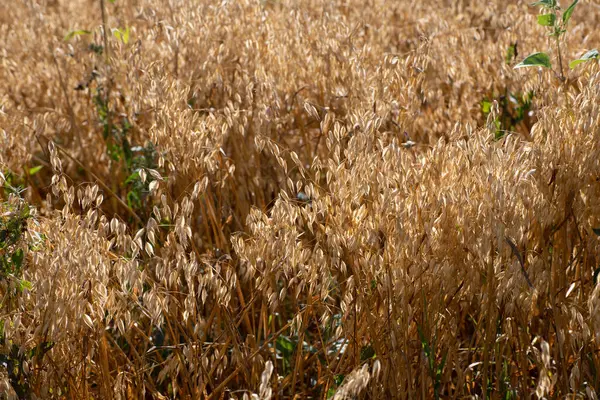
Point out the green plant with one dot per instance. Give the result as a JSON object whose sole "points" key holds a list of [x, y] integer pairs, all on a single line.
{"points": [[121, 34], [556, 20], [14, 214], [430, 351], [137, 162], [285, 347], [337, 381], [133, 159], [19, 362], [514, 108], [13, 222]]}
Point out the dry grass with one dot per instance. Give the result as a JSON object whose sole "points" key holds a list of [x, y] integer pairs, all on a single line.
{"points": [[295, 199]]}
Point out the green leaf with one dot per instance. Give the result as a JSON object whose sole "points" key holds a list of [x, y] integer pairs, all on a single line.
{"points": [[338, 379], [17, 258], [424, 342], [441, 366], [122, 35], [546, 19], [126, 36], [35, 170], [568, 12], [117, 34], [285, 346], [25, 285], [367, 352], [78, 32], [486, 106], [133, 177], [25, 211], [133, 199], [511, 53], [592, 54], [98, 49], [535, 60], [545, 3]]}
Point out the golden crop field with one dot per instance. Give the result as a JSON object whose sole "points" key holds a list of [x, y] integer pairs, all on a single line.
{"points": [[299, 199]]}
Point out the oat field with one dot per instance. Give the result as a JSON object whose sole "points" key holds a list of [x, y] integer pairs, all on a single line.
{"points": [[299, 199]]}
